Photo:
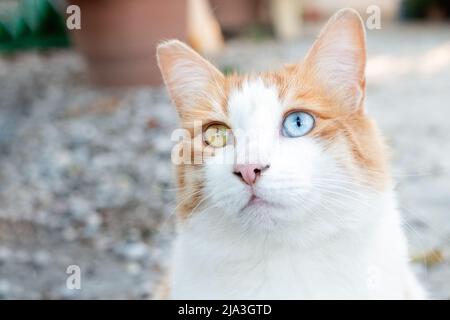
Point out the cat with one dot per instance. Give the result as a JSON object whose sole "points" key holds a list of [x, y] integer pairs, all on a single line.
{"points": [[313, 215]]}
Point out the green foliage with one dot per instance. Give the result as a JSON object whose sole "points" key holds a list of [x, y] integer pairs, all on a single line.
{"points": [[229, 69], [257, 32], [33, 24]]}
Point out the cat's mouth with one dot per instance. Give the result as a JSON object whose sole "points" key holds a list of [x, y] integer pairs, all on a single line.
{"points": [[256, 201]]}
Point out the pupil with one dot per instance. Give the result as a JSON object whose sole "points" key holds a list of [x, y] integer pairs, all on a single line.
{"points": [[298, 121]]}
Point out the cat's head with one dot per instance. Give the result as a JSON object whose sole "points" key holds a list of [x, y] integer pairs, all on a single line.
{"points": [[278, 147]]}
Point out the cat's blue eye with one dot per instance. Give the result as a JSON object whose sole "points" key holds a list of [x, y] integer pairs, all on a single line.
{"points": [[297, 124]]}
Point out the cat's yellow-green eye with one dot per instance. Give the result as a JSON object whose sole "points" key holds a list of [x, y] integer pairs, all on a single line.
{"points": [[217, 135]]}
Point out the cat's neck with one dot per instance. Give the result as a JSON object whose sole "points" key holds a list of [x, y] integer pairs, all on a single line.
{"points": [[321, 263], [217, 228]]}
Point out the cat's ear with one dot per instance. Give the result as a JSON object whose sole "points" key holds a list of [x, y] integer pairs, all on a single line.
{"points": [[189, 78], [337, 59]]}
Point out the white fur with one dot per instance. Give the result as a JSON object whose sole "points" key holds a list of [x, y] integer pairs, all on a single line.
{"points": [[323, 235]]}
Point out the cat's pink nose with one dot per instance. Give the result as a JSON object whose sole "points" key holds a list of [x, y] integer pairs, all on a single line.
{"points": [[249, 172]]}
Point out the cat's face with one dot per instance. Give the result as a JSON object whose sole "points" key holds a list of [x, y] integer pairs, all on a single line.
{"points": [[278, 147]]}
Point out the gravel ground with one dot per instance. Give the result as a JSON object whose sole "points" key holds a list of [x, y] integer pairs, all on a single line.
{"points": [[86, 177]]}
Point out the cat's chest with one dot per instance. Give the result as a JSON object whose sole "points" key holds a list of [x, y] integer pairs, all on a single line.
{"points": [[270, 275], [288, 276], [214, 264]]}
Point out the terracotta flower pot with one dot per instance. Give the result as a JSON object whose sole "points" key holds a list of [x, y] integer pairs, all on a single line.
{"points": [[235, 14], [118, 38]]}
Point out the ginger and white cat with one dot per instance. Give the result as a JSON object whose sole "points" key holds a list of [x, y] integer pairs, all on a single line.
{"points": [[315, 215]]}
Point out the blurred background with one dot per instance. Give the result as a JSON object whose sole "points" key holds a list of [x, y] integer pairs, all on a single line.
{"points": [[85, 171]]}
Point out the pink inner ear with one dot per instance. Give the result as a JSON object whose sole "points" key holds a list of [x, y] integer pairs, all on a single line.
{"points": [[187, 75]]}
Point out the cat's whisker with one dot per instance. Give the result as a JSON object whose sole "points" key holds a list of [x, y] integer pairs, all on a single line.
{"points": [[319, 207], [348, 197], [420, 238], [327, 186], [343, 182], [177, 189], [399, 175], [184, 199]]}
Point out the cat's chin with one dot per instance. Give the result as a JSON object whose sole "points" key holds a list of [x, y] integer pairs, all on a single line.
{"points": [[261, 213], [256, 203]]}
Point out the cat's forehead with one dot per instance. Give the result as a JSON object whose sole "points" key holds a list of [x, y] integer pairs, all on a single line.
{"points": [[254, 104]]}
